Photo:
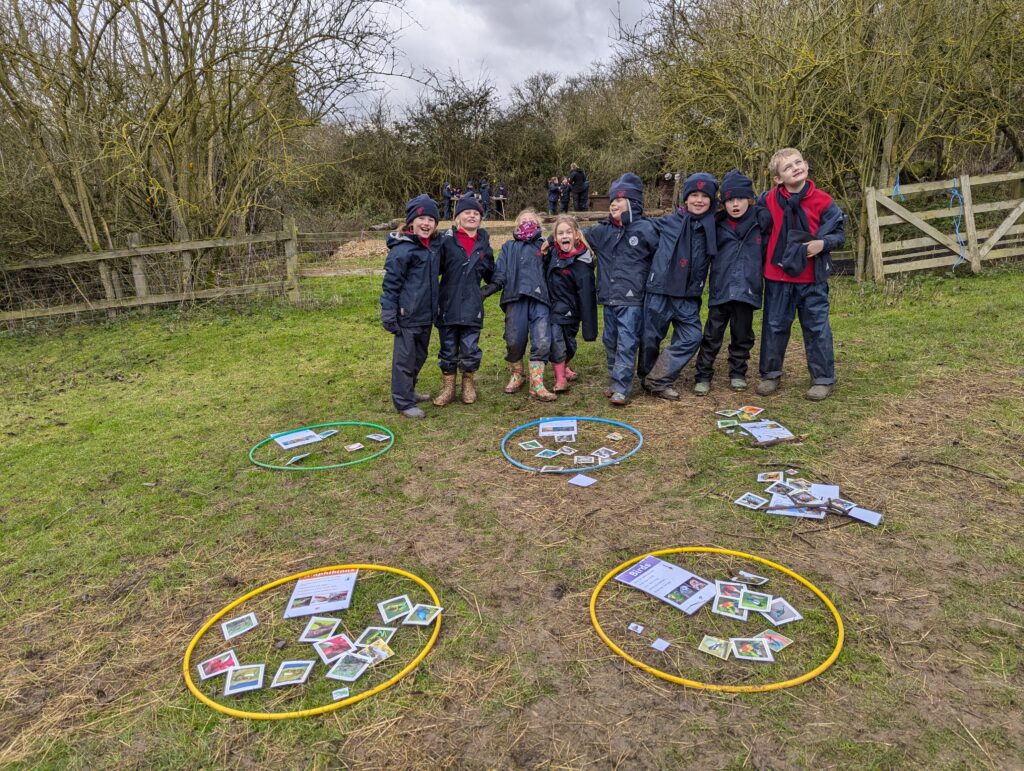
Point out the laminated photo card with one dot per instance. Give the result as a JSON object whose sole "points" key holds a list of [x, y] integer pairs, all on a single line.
{"points": [[395, 608], [354, 446], [339, 693], [669, 583], [323, 592], [604, 452], [729, 607], [767, 431], [292, 673], [243, 679], [727, 413], [782, 506], [239, 626], [636, 628], [319, 628], [557, 427], [780, 488], [615, 436], [422, 615], [726, 423], [378, 437], [567, 450], [750, 649], [776, 640], [750, 600], [772, 476], [585, 460], [372, 633], [333, 647], [217, 665], [729, 589], [751, 501], [715, 646], [550, 469], [328, 433], [750, 579], [296, 438], [548, 454], [781, 612], [564, 438], [349, 667], [378, 651], [532, 444], [660, 645]]}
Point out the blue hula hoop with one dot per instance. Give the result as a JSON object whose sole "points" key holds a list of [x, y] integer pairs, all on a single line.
{"points": [[581, 469]]}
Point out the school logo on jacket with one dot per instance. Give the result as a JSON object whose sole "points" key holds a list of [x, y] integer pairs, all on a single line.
{"points": [[633, 240], [683, 262]]}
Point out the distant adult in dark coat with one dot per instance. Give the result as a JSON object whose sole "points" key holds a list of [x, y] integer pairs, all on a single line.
{"points": [[579, 185]]}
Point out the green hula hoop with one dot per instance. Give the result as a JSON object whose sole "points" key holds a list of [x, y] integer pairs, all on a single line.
{"points": [[381, 451]]}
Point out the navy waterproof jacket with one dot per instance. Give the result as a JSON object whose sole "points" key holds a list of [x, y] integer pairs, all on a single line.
{"points": [[623, 256], [410, 279], [577, 180], [566, 191], [485, 193], [554, 192], [737, 271], [572, 291], [519, 271], [459, 302], [688, 278]]}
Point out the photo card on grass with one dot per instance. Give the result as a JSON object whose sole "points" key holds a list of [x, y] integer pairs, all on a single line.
{"points": [[604, 452], [756, 601], [349, 667], [750, 649], [547, 454], [239, 626], [781, 612], [750, 579], [776, 640], [730, 589], [248, 677], [715, 646], [333, 647], [532, 444], [394, 608], [729, 607], [772, 476], [217, 665], [615, 436], [585, 460], [292, 673], [780, 488], [751, 501], [378, 650], [371, 633], [378, 437], [422, 615], [319, 628]]}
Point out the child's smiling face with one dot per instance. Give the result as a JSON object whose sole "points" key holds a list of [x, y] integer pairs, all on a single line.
{"points": [[564, 236], [617, 207], [469, 220], [423, 226], [737, 207], [698, 203], [792, 172]]}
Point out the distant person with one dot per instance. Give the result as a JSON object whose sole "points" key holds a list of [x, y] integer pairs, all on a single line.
{"points": [[446, 196], [806, 226], [570, 273], [485, 198], [566, 192], [466, 259], [554, 194], [734, 289], [470, 190], [408, 300], [580, 187], [519, 274], [500, 198]]}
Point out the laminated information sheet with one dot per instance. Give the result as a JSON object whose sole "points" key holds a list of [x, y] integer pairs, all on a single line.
{"points": [[669, 583], [322, 593]]}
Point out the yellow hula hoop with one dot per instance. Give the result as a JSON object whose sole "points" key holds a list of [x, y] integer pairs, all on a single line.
{"points": [[186, 666], [710, 686]]}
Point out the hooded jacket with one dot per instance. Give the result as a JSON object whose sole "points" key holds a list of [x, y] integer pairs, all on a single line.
{"points": [[459, 302], [737, 269], [675, 270], [410, 279], [571, 289], [519, 271], [825, 220]]}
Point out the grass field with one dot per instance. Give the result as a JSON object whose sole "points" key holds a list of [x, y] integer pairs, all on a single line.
{"points": [[130, 514]]}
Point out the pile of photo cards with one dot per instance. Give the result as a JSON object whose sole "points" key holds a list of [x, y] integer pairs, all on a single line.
{"points": [[345, 659], [562, 432], [792, 496], [291, 439], [736, 599]]}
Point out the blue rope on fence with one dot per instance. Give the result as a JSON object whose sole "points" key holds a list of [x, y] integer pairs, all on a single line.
{"points": [[954, 195], [897, 194]]}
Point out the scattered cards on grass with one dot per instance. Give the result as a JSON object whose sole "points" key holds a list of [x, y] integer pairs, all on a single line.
{"points": [[354, 446], [780, 488], [217, 665], [803, 498], [582, 480], [776, 640], [783, 506], [422, 615], [755, 601], [378, 650], [372, 633], [636, 628], [824, 492], [564, 438], [799, 484], [845, 505], [319, 628], [349, 667], [333, 647], [292, 673], [585, 460], [567, 450], [533, 444], [604, 452], [729, 607], [750, 579], [339, 693], [781, 612], [750, 649], [548, 454], [238, 626], [751, 410], [660, 645], [378, 437], [727, 413], [395, 608], [297, 458], [730, 589], [751, 501], [716, 646], [557, 427], [243, 679], [550, 469], [767, 431], [771, 476], [615, 436], [296, 438], [727, 423]]}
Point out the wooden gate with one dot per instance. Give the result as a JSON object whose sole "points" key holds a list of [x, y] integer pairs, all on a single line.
{"points": [[964, 232]]}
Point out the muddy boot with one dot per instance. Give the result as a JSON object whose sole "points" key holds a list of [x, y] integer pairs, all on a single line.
{"points": [[569, 374], [537, 389], [468, 388], [447, 390], [767, 387], [561, 380], [819, 392], [516, 381]]}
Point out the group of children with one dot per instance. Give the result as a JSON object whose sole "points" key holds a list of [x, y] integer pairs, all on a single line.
{"points": [[651, 274]]}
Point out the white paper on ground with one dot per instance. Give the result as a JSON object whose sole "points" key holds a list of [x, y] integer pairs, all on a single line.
{"points": [[872, 518], [582, 480], [660, 645]]}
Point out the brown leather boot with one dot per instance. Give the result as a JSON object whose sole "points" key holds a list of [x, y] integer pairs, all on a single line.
{"points": [[516, 381], [468, 388], [447, 390]]}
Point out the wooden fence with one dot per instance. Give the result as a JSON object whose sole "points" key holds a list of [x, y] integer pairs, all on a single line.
{"points": [[962, 232]]}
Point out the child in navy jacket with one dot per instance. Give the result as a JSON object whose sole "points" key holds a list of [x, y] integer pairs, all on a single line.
{"points": [[623, 245], [734, 289], [570, 274], [806, 226], [408, 300], [466, 259], [519, 273]]}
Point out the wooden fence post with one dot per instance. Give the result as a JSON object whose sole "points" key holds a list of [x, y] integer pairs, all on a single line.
{"points": [[108, 285], [877, 270], [139, 270], [291, 259], [973, 254]]}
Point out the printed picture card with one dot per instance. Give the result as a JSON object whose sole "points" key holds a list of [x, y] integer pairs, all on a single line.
{"points": [[349, 667], [372, 633], [532, 444], [758, 601], [715, 646], [781, 612], [339, 693], [751, 501], [378, 437], [354, 446], [296, 438], [244, 679], [585, 460], [378, 651], [217, 665], [750, 649], [660, 645], [636, 628], [550, 469], [772, 476], [776, 640], [582, 480], [333, 647], [292, 673], [319, 628], [395, 608], [729, 607], [422, 615], [604, 452], [239, 626], [750, 579], [548, 454], [615, 436], [729, 589]]}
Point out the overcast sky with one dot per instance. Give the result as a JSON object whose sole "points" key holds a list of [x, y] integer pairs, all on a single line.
{"points": [[505, 41]]}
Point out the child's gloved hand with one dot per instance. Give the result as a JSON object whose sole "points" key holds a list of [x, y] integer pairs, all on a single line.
{"points": [[389, 320], [488, 290]]}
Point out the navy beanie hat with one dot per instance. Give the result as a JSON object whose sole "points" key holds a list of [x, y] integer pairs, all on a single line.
{"points": [[468, 202], [736, 184], [628, 186], [421, 206], [701, 182]]}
